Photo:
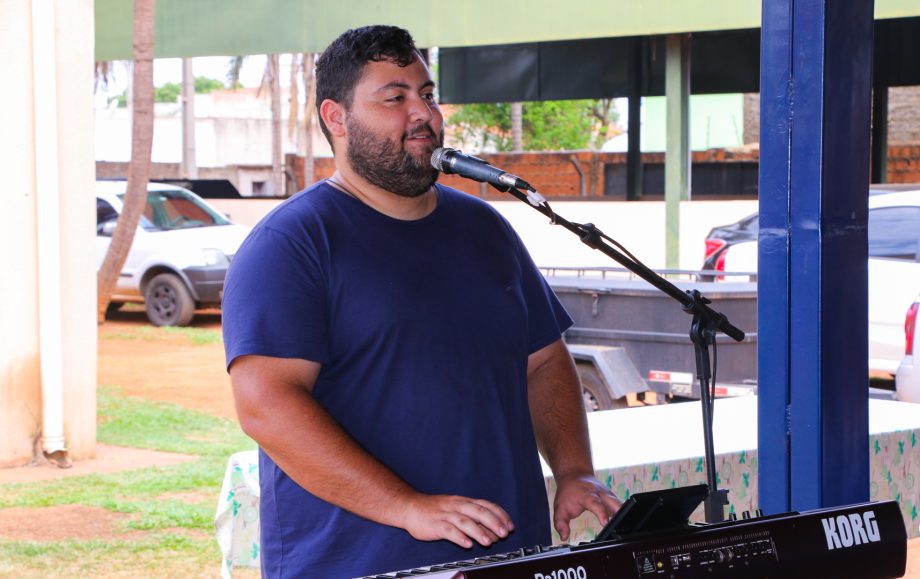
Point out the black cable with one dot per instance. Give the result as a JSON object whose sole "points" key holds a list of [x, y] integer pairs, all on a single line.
{"points": [[715, 367]]}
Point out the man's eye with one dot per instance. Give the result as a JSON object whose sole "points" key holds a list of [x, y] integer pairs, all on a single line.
{"points": [[428, 97], [396, 99]]}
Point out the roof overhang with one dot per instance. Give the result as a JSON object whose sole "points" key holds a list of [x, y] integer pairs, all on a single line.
{"points": [[241, 27]]}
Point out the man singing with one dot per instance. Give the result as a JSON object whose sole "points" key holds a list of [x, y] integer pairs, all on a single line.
{"points": [[395, 352]]}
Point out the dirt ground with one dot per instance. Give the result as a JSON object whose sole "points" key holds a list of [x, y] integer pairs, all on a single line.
{"points": [[188, 375], [165, 369], [191, 375]]}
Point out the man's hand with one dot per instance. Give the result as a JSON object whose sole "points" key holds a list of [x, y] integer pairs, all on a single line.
{"points": [[577, 494], [459, 520]]}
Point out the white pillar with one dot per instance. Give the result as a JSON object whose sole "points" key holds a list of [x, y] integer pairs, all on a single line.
{"points": [[47, 290]]}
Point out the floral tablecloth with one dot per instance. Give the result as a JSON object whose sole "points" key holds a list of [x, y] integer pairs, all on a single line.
{"points": [[237, 518], [894, 468]]}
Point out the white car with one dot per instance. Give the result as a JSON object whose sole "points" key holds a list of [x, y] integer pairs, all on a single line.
{"points": [[894, 271], [179, 256]]}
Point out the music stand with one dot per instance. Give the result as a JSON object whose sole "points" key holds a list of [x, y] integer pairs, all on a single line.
{"points": [[654, 512]]}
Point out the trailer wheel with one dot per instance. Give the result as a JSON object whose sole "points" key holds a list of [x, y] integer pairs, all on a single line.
{"points": [[595, 392]]}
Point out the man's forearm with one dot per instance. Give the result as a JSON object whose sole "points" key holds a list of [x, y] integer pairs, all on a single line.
{"points": [[558, 412], [561, 429], [312, 449], [276, 408]]}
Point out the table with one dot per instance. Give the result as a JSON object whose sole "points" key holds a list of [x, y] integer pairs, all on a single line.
{"points": [[642, 449]]}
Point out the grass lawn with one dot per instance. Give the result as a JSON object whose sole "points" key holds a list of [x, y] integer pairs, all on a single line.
{"points": [[166, 528]]}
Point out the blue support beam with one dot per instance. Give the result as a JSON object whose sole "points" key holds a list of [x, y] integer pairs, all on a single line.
{"points": [[813, 446]]}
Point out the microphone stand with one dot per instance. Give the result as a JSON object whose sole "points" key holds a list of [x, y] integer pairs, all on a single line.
{"points": [[704, 325]]}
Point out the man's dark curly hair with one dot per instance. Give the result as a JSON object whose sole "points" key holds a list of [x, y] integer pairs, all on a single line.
{"points": [[340, 66]]}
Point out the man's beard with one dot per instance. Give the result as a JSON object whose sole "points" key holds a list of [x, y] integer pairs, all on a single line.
{"points": [[387, 164]]}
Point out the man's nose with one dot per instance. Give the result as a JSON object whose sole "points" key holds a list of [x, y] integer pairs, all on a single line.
{"points": [[421, 110]]}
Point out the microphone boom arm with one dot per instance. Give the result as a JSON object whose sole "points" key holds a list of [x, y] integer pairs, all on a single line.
{"points": [[704, 325]]}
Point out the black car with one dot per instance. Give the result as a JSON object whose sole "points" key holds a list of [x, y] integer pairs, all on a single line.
{"points": [[892, 230]]}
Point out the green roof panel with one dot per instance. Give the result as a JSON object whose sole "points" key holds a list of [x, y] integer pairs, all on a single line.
{"points": [[240, 27]]}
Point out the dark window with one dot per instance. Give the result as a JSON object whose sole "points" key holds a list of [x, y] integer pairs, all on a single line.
{"points": [[894, 232], [104, 212]]}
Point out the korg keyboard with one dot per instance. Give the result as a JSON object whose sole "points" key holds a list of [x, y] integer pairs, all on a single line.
{"points": [[863, 541]]}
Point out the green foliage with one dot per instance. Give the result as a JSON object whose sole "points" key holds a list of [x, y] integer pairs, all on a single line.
{"points": [[557, 125], [168, 93], [204, 85], [546, 125], [489, 124]]}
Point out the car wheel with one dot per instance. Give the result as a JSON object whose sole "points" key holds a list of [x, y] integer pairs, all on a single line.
{"points": [[595, 393], [168, 301]]}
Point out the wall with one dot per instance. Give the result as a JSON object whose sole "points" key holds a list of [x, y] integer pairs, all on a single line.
{"points": [[904, 163], [237, 132], [903, 116], [244, 178], [553, 173], [637, 225], [70, 88]]}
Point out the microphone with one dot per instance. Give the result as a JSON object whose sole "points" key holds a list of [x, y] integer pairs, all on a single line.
{"points": [[452, 161]]}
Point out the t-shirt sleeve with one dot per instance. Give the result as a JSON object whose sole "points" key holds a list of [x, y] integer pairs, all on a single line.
{"points": [[274, 299], [547, 318]]}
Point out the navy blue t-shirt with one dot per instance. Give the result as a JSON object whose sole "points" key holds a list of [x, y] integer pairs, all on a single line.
{"points": [[423, 329]]}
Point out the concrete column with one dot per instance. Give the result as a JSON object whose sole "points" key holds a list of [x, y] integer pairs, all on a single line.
{"points": [[879, 161], [189, 162], [677, 155], [634, 129], [21, 115]]}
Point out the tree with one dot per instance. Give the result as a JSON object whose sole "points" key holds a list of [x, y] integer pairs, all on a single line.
{"points": [[273, 73], [309, 81], [168, 93], [141, 145], [271, 78], [303, 65], [204, 85], [547, 125]]}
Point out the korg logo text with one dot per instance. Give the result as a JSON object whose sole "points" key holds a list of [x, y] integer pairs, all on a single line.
{"points": [[848, 530]]}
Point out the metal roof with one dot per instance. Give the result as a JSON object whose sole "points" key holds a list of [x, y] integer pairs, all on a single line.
{"points": [[240, 27]]}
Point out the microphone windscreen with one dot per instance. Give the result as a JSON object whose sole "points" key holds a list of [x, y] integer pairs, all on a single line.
{"points": [[437, 156]]}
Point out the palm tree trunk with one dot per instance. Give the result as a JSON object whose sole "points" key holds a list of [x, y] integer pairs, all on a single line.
{"points": [[141, 145], [308, 117], [275, 93], [517, 127]]}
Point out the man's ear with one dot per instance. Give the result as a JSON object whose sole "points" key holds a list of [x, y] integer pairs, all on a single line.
{"points": [[333, 115]]}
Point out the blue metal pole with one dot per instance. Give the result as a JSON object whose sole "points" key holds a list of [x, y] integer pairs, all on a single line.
{"points": [[813, 444]]}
